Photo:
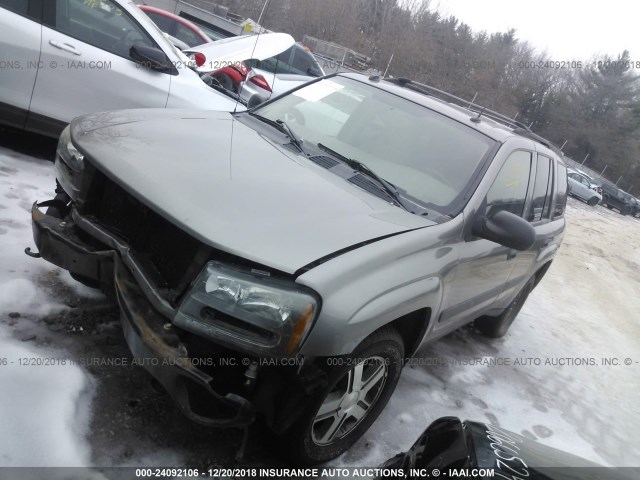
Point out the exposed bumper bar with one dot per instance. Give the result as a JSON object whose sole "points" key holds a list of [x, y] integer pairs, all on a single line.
{"points": [[143, 312]]}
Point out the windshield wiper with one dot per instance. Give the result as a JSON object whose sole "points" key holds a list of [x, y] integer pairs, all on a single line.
{"points": [[282, 126], [387, 187]]}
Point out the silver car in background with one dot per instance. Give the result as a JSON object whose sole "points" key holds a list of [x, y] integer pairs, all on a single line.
{"points": [[279, 74], [581, 187]]}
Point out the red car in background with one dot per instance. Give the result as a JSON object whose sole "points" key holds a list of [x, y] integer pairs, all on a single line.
{"points": [[192, 35]]}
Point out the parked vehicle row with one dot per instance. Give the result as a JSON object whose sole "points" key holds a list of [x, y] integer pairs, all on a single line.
{"points": [[70, 57], [271, 76], [613, 197], [595, 192]]}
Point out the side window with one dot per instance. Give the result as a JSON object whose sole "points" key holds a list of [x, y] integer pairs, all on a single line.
{"points": [[165, 24], [32, 10], [303, 63], [540, 191], [188, 36], [561, 194], [585, 182], [20, 7], [100, 23], [277, 64], [509, 190]]}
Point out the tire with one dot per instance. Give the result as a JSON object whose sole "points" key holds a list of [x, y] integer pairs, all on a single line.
{"points": [[593, 201], [312, 440], [496, 327], [625, 211]]}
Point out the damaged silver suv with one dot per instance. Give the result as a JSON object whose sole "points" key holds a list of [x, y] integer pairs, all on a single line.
{"points": [[286, 260]]}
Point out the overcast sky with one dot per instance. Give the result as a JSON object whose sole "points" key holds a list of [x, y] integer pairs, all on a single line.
{"points": [[566, 29]]}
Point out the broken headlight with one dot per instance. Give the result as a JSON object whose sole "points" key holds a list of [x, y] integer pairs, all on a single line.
{"points": [[69, 164], [249, 310]]}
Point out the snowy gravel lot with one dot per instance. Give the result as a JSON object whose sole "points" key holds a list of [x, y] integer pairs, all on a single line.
{"points": [[552, 385]]}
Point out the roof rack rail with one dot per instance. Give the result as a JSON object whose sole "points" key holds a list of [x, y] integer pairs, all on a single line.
{"points": [[518, 127], [534, 136], [474, 107]]}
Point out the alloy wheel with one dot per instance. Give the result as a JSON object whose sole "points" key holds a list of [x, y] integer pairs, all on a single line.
{"points": [[350, 400]]}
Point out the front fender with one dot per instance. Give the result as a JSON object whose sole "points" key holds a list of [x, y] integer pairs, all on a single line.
{"points": [[369, 287]]}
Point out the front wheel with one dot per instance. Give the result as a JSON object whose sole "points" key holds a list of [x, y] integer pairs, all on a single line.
{"points": [[593, 201], [358, 389], [496, 327]]}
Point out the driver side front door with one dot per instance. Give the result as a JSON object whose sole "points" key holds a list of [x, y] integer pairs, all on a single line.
{"points": [[85, 65]]}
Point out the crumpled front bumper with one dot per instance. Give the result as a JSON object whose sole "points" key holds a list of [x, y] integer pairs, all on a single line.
{"points": [[152, 339]]}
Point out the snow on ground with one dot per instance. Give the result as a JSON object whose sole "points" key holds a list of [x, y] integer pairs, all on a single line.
{"points": [[586, 307], [44, 410]]}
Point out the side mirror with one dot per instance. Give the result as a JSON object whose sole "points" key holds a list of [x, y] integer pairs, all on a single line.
{"points": [[152, 58], [255, 100], [506, 229]]}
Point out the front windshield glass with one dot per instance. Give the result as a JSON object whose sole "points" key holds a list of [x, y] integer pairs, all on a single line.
{"points": [[429, 157]]}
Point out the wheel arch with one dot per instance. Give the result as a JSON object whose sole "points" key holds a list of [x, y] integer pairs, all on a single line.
{"points": [[412, 327]]}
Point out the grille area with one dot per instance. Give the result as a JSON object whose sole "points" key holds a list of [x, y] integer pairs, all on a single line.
{"points": [[165, 251]]}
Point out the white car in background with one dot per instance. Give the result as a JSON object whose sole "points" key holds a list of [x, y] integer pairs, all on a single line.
{"points": [[66, 58], [580, 186], [279, 74]]}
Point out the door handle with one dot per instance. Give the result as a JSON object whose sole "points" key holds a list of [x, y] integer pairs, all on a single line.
{"points": [[64, 46]]}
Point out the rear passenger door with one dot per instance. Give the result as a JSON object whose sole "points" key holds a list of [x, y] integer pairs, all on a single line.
{"points": [[86, 65], [20, 34], [538, 213]]}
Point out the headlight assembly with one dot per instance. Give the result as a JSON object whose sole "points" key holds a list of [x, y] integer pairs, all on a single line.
{"points": [[69, 164], [257, 313]]}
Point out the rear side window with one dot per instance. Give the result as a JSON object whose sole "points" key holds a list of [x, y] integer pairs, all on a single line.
{"points": [[541, 201], [304, 64], [277, 64], [509, 190], [561, 193], [100, 23]]}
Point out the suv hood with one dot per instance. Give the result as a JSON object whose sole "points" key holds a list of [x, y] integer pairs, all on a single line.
{"points": [[233, 188]]}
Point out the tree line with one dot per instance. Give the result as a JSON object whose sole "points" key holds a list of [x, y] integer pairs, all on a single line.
{"points": [[591, 106]]}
